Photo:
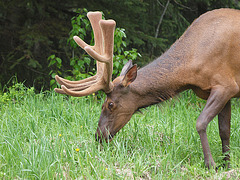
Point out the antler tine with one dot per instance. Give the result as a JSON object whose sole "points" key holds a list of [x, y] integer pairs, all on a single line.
{"points": [[94, 18], [85, 92], [72, 84], [75, 90], [102, 51], [80, 88], [107, 27]]}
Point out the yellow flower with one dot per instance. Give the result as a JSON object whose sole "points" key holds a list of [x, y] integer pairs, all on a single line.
{"points": [[106, 168], [81, 126], [60, 135], [77, 149], [93, 94]]}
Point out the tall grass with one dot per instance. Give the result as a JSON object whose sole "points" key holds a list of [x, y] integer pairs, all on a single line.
{"points": [[51, 136]]}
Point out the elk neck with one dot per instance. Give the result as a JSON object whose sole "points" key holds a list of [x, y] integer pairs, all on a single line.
{"points": [[163, 78]]}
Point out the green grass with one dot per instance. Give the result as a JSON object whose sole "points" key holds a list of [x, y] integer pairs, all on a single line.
{"points": [[51, 136]]}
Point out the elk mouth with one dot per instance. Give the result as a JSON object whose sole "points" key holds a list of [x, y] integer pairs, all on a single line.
{"points": [[100, 138], [110, 137], [106, 131]]}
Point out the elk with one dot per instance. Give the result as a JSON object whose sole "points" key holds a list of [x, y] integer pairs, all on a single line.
{"points": [[206, 59]]}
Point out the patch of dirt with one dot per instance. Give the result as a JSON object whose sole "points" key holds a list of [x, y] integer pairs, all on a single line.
{"points": [[128, 174], [231, 174]]}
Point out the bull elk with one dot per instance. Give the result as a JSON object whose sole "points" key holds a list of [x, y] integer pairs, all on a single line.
{"points": [[206, 59]]}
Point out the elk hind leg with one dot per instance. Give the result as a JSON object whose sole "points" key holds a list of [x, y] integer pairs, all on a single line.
{"points": [[224, 123]]}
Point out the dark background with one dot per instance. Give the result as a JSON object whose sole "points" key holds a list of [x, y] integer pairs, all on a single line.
{"points": [[32, 30]]}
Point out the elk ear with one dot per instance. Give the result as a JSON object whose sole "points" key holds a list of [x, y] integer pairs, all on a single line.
{"points": [[126, 67], [130, 76]]}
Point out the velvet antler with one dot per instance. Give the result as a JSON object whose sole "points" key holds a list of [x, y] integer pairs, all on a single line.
{"points": [[102, 51]]}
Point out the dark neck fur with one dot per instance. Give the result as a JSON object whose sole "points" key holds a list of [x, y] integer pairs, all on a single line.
{"points": [[160, 80]]}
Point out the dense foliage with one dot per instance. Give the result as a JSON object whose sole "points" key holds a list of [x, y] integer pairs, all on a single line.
{"points": [[35, 33]]}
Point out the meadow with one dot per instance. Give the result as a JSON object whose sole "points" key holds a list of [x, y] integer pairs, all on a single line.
{"points": [[50, 136]]}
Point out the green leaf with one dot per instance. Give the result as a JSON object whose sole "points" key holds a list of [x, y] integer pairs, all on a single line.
{"points": [[34, 63], [59, 60], [125, 61], [52, 82], [116, 64], [87, 60], [53, 75], [134, 55], [52, 62], [51, 57], [82, 31], [50, 72], [126, 53]]}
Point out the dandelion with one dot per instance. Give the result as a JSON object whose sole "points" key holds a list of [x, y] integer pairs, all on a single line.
{"points": [[77, 149], [81, 126], [93, 94], [106, 169], [60, 135]]}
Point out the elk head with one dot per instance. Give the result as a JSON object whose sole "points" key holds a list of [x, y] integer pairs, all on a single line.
{"points": [[116, 110], [119, 104]]}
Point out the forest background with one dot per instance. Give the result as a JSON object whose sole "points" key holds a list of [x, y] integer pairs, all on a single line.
{"points": [[36, 36]]}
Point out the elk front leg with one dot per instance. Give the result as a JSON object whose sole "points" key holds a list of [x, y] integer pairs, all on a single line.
{"points": [[215, 103], [224, 123]]}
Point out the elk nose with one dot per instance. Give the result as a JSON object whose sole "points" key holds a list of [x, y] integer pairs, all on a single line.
{"points": [[110, 137], [98, 138]]}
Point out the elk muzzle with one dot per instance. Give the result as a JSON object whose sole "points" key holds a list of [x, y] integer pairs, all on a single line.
{"points": [[102, 135]]}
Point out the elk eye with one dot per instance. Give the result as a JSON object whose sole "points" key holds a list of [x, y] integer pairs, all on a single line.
{"points": [[110, 105]]}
